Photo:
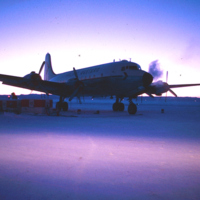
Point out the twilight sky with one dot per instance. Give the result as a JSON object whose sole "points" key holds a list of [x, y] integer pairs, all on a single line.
{"points": [[85, 33]]}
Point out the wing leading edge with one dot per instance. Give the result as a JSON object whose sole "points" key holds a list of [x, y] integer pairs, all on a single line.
{"points": [[37, 85], [183, 85]]}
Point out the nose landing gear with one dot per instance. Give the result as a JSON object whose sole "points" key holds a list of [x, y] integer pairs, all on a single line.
{"points": [[118, 106], [132, 108]]}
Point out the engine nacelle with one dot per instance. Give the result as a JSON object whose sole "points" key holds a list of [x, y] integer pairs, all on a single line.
{"points": [[33, 76], [158, 88]]}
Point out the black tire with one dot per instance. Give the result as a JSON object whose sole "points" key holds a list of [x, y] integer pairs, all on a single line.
{"points": [[65, 106], [58, 106], [132, 109], [115, 106], [121, 107]]}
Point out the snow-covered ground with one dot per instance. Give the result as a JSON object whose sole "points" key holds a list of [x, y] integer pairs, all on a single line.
{"points": [[110, 155]]}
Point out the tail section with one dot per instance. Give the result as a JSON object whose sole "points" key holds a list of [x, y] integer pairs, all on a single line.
{"points": [[48, 71]]}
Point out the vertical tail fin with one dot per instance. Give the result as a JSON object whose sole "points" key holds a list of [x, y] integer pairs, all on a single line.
{"points": [[48, 71]]}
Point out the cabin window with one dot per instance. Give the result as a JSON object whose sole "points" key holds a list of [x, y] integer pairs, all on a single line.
{"points": [[123, 69], [126, 67], [101, 75]]}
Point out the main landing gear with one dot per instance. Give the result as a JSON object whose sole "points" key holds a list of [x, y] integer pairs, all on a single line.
{"points": [[61, 105], [118, 106]]}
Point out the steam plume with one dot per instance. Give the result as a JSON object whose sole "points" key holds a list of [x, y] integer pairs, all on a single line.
{"points": [[154, 69]]}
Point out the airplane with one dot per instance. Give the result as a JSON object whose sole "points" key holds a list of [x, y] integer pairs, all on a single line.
{"points": [[122, 79]]}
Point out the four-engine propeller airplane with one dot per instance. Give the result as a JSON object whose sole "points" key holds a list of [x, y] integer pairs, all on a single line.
{"points": [[120, 79]]}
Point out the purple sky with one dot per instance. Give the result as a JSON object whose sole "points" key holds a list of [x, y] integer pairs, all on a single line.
{"points": [[85, 33]]}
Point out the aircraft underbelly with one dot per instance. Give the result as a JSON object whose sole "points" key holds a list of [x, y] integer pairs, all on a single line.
{"points": [[111, 86]]}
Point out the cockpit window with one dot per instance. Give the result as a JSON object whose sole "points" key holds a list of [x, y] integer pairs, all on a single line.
{"points": [[139, 67], [135, 67], [132, 67]]}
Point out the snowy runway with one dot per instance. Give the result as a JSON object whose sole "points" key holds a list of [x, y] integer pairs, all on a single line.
{"points": [[102, 156]]}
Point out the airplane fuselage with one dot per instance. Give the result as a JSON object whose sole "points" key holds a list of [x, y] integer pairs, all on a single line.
{"points": [[118, 78]]}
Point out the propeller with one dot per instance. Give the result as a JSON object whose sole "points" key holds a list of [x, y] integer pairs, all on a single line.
{"points": [[79, 87], [158, 87], [34, 77], [172, 92]]}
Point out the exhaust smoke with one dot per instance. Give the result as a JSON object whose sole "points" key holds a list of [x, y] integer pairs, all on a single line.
{"points": [[154, 70]]}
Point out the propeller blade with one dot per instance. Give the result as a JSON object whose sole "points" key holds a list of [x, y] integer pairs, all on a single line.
{"points": [[76, 92], [173, 93], [167, 83], [75, 73], [167, 77], [150, 95], [166, 97], [41, 67]]}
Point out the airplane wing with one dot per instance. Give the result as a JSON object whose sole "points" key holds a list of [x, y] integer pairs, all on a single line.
{"points": [[160, 87], [183, 85], [37, 85]]}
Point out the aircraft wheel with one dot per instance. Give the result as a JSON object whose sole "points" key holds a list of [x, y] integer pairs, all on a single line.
{"points": [[115, 106], [58, 106], [121, 107], [65, 106], [132, 108]]}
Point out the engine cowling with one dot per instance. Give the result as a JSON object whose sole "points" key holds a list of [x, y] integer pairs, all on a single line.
{"points": [[158, 88], [33, 76]]}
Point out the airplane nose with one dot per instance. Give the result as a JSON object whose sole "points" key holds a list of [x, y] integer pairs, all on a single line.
{"points": [[147, 79]]}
